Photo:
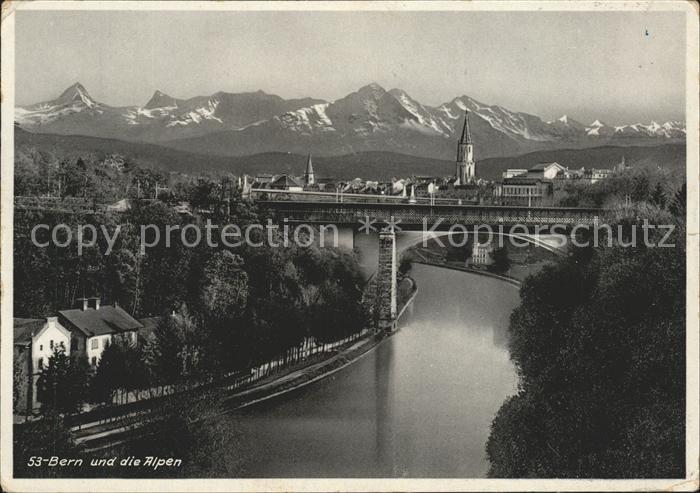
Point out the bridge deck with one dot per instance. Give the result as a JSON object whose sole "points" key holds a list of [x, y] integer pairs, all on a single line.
{"points": [[420, 214]]}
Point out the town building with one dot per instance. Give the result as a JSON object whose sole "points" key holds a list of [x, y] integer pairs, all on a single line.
{"points": [[352, 186], [511, 172], [596, 174], [528, 187], [371, 187], [524, 191], [286, 182], [93, 327], [547, 171], [482, 255], [262, 180], [326, 184], [465, 166], [571, 174], [34, 343]]}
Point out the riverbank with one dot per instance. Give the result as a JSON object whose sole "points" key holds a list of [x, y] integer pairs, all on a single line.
{"points": [[451, 349], [100, 436]]}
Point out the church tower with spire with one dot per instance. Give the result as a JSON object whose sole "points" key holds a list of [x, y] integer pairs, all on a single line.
{"points": [[465, 155], [309, 178]]}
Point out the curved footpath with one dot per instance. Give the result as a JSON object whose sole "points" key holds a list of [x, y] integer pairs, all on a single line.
{"points": [[104, 435]]}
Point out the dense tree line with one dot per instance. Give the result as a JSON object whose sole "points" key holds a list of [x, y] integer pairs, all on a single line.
{"points": [[222, 309], [635, 185], [598, 341]]}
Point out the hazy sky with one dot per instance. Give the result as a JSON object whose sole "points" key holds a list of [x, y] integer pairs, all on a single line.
{"points": [[618, 66]]}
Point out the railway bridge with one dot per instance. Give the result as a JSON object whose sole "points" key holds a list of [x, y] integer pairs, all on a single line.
{"points": [[400, 223]]}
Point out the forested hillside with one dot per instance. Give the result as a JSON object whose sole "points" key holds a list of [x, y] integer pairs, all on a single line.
{"points": [[598, 341], [366, 165]]}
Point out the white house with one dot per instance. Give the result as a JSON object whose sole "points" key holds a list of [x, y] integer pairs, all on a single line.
{"points": [[94, 326], [52, 336], [34, 342]]}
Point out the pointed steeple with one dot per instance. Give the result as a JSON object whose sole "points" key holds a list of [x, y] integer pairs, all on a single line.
{"points": [[464, 172], [466, 133], [309, 178], [309, 166]]}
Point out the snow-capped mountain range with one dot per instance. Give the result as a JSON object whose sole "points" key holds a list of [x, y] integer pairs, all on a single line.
{"points": [[369, 119]]}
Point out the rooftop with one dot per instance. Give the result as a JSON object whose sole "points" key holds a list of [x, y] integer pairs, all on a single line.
{"points": [[285, 181], [106, 320], [523, 180], [544, 166]]}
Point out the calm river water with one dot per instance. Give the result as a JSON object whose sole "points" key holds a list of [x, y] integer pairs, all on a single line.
{"points": [[419, 405]]}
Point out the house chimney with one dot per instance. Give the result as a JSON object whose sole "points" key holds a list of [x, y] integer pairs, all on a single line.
{"points": [[94, 302], [82, 303]]}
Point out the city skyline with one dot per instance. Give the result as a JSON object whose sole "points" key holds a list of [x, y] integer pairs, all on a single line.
{"points": [[547, 64]]}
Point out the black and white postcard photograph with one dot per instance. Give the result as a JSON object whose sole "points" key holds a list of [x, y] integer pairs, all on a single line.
{"points": [[349, 246]]}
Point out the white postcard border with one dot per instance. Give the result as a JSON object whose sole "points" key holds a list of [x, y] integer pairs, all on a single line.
{"points": [[689, 483]]}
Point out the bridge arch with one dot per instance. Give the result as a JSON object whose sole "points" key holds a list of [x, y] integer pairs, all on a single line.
{"points": [[367, 245], [408, 239], [379, 254]]}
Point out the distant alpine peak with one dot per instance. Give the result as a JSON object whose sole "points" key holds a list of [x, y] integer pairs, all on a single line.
{"points": [[568, 123], [160, 100], [398, 92], [465, 103], [76, 94], [372, 88], [369, 118]]}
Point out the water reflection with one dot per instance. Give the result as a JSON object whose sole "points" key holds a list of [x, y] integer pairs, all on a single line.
{"points": [[384, 410], [419, 405]]}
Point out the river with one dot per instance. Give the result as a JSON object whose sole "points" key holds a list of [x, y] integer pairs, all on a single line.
{"points": [[419, 405]]}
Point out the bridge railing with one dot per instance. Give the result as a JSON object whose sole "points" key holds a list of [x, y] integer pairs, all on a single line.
{"points": [[267, 194]]}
